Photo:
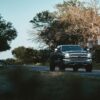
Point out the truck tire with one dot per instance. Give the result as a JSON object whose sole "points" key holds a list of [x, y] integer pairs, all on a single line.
{"points": [[75, 68], [52, 66], [61, 66], [89, 68], [52, 61]]}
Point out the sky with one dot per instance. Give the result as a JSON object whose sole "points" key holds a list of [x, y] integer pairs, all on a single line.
{"points": [[20, 12]]}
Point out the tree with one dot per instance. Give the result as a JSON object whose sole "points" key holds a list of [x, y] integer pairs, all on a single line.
{"points": [[53, 30], [30, 55], [10, 61], [42, 20], [19, 53], [42, 23], [74, 22], [43, 56], [25, 55], [7, 34], [83, 18]]}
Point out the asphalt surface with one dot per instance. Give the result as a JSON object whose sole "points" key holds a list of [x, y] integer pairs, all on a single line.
{"points": [[82, 72]]}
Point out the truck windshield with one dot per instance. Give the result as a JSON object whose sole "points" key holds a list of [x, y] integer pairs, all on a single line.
{"points": [[71, 48]]}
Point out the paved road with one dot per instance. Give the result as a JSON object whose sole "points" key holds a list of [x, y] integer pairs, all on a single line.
{"points": [[82, 72]]}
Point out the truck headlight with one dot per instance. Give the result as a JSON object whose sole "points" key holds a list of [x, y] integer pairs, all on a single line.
{"points": [[89, 55], [67, 55]]}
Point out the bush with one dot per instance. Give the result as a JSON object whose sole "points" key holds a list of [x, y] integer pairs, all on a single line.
{"points": [[97, 54]]}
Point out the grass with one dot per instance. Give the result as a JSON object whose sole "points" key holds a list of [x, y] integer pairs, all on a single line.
{"points": [[23, 84], [65, 86]]}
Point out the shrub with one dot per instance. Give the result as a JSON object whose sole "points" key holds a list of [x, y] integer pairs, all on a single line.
{"points": [[97, 54]]}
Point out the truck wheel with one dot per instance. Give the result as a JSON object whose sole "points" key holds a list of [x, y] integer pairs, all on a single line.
{"points": [[89, 68], [61, 66], [52, 66], [75, 68]]}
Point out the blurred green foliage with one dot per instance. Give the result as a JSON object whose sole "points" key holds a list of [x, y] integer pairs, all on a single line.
{"points": [[23, 84]]}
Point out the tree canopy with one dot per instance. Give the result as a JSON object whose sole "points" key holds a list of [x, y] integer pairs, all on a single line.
{"points": [[30, 55], [51, 30], [83, 19], [73, 22], [7, 34]]}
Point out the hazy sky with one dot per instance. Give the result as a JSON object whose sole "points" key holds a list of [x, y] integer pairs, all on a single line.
{"points": [[20, 12]]}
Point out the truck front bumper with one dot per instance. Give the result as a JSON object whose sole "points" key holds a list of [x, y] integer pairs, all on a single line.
{"points": [[78, 62]]}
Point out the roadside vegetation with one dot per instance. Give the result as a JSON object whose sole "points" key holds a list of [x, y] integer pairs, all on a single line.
{"points": [[23, 84], [7, 34]]}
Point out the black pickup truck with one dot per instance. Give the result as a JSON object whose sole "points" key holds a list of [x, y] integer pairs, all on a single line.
{"points": [[70, 56]]}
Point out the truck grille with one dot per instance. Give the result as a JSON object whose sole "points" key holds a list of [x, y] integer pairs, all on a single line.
{"points": [[78, 55], [77, 59]]}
